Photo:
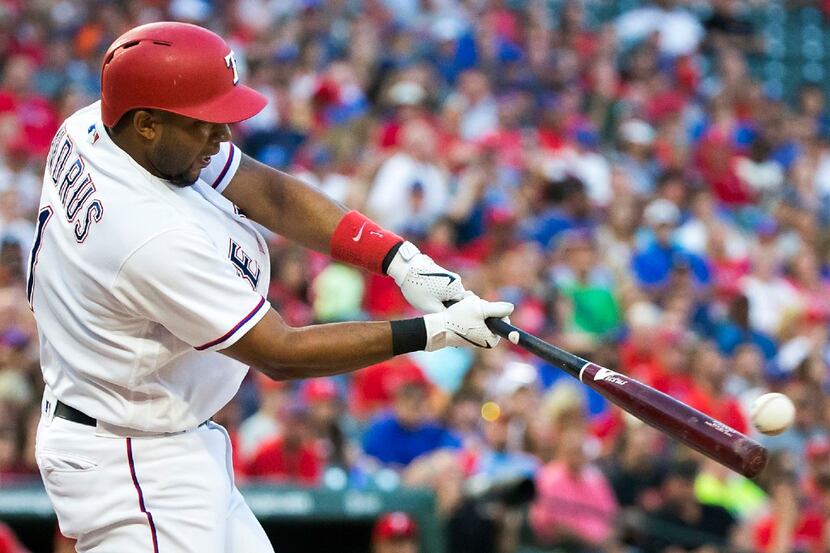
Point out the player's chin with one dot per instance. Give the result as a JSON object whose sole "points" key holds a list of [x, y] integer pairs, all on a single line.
{"points": [[187, 178]]}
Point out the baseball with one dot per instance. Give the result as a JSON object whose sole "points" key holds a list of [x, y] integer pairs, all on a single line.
{"points": [[772, 414], [513, 337]]}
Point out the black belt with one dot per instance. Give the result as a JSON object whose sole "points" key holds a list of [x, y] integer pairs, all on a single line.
{"points": [[64, 411]]}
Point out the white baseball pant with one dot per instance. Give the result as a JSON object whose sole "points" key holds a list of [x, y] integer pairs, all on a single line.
{"points": [[160, 493]]}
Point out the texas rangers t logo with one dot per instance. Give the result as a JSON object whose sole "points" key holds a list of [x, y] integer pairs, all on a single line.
{"points": [[245, 266], [230, 62]]}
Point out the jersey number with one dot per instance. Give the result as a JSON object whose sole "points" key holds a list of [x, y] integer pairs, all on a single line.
{"points": [[42, 218]]}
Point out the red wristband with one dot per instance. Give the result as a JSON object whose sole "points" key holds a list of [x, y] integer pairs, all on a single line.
{"points": [[359, 241]]}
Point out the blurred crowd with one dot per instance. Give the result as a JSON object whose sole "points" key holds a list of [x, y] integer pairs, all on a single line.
{"points": [[619, 174]]}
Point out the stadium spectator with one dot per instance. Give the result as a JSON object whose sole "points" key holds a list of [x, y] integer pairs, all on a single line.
{"points": [[709, 373], [770, 296], [662, 263], [18, 173], [561, 205], [588, 288], [683, 523], [575, 505], [410, 191], [263, 424], [789, 526], [635, 156], [407, 98], [407, 432], [496, 460], [736, 330], [293, 456], [636, 472], [26, 117], [326, 417], [373, 389]]}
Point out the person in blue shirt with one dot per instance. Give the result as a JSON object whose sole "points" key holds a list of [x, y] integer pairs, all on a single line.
{"points": [[735, 330], [564, 206], [497, 461], [398, 437], [656, 264]]}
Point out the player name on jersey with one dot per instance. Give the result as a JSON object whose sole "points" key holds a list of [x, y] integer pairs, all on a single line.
{"points": [[74, 184]]}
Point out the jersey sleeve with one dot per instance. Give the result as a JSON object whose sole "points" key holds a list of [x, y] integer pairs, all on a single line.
{"points": [[222, 167], [179, 280]]}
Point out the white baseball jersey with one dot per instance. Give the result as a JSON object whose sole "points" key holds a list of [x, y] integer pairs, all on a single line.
{"points": [[136, 283]]}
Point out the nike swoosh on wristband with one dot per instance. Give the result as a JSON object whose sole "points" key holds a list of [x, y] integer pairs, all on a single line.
{"points": [[486, 345], [449, 276], [357, 236]]}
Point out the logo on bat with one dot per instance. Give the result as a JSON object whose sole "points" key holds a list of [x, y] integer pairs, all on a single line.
{"points": [[720, 427], [607, 375]]}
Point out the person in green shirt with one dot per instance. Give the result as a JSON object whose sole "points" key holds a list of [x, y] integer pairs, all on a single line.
{"points": [[586, 288]]}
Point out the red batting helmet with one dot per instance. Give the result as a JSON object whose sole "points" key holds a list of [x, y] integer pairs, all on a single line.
{"points": [[175, 67]]}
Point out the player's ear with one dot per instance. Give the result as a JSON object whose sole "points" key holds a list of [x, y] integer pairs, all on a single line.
{"points": [[146, 124]]}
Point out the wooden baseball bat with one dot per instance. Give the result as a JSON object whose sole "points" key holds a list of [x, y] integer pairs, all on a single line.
{"points": [[683, 423]]}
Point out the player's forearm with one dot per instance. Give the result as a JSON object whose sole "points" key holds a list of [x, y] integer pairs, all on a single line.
{"points": [[284, 353], [329, 349]]}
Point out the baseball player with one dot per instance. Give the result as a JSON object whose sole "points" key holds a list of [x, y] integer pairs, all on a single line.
{"points": [[148, 283]]}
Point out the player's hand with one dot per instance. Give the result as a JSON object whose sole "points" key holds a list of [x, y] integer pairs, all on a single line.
{"points": [[462, 324], [425, 284]]}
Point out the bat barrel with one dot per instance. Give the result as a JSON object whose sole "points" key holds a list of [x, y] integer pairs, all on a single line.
{"points": [[685, 424], [701, 432]]}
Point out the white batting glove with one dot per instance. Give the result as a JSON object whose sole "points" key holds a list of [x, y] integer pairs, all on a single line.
{"points": [[462, 324], [425, 284]]}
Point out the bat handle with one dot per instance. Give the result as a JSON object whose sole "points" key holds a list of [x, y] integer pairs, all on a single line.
{"points": [[500, 327]]}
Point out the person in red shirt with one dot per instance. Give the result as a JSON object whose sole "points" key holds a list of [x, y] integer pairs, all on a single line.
{"points": [[789, 527], [673, 375], [551, 132], [716, 161], [707, 394], [408, 98], [322, 398], [33, 118], [291, 457], [817, 456], [638, 352]]}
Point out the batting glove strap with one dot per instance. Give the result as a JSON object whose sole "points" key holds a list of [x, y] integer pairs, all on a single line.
{"points": [[425, 284], [462, 324]]}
